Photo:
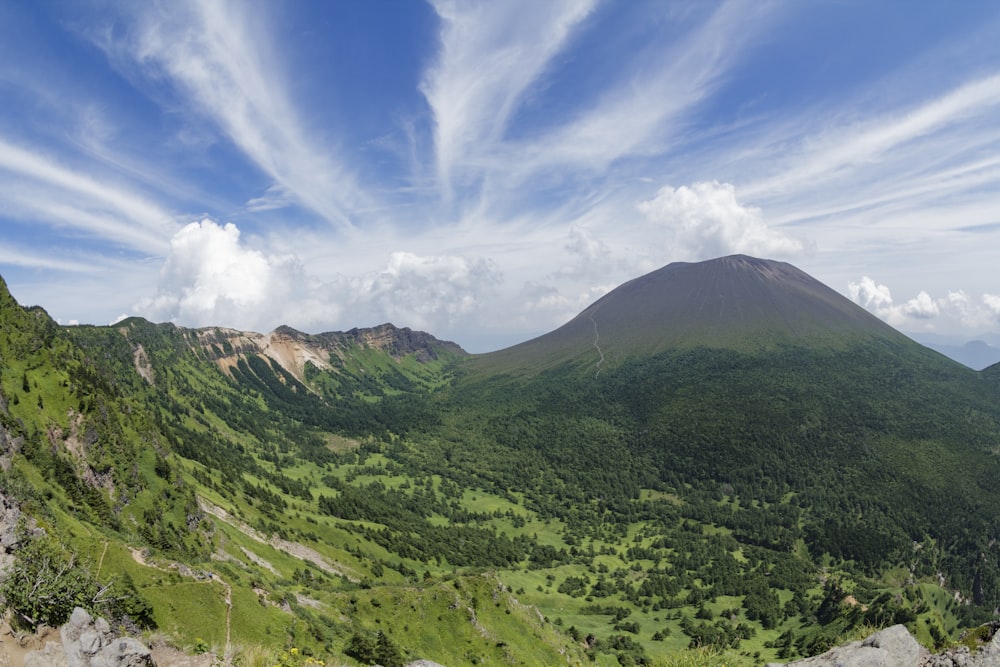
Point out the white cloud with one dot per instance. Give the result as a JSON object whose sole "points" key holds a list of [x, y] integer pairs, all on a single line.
{"points": [[213, 278], [429, 291], [863, 144], [924, 312], [496, 59], [20, 256], [220, 55], [491, 53], [210, 277], [40, 188], [706, 221], [878, 299], [921, 306], [866, 292], [992, 303], [544, 298], [908, 166], [648, 107]]}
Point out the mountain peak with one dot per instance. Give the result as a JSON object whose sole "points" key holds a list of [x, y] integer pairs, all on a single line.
{"points": [[735, 302]]}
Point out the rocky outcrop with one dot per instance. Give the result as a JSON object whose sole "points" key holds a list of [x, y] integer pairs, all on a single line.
{"points": [[400, 342], [896, 647], [10, 520], [89, 642]]}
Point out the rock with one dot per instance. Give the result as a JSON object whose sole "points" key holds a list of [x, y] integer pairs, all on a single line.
{"points": [[50, 655], [892, 647], [123, 652], [423, 663], [988, 655], [87, 642]]}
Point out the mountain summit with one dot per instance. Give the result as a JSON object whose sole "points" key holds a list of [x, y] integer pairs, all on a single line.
{"points": [[734, 302]]}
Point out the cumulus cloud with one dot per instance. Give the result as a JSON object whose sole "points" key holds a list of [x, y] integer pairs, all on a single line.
{"points": [[706, 220], [428, 290], [213, 277], [922, 307], [992, 303], [923, 310], [878, 299], [590, 256], [866, 292]]}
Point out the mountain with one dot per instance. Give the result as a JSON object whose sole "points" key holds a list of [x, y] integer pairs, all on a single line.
{"points": [[975, 354], [735, 302], [746, 382], [722, 454]]}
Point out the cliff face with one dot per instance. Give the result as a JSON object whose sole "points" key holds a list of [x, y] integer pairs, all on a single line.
{"points": [[293, 350], [399, 343]]}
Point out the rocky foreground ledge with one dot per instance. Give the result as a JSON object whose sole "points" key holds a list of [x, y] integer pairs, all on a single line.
{"points": [[896, 647], [85, 641], [89, 642]]}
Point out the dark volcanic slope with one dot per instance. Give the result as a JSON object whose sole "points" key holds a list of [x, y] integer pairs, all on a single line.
{"points": [[735, 302]]}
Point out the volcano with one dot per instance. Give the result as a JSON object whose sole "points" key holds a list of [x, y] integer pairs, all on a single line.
{"points": [[735, 302]]}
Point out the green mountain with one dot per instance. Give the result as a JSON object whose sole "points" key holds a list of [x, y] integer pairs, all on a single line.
{"points": [[725, 454]]}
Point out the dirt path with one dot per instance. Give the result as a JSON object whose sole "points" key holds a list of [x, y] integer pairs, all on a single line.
{"points": [[100, 563], [295, 549], [139, 557]]}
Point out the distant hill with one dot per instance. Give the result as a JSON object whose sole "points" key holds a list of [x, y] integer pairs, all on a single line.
{"points": [[976, 354]]}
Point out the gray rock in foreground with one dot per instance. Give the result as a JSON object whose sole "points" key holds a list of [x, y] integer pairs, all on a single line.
{"points": [[896, 647], [892, 647], [87, 642]]}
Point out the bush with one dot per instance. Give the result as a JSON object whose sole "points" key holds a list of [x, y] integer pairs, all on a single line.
{"points": [[45, 584]]}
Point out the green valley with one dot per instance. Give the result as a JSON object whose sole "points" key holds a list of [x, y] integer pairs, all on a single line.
{"points": [[663, 479]]}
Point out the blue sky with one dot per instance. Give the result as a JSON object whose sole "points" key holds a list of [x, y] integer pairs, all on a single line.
{"points": [[484, 170]]}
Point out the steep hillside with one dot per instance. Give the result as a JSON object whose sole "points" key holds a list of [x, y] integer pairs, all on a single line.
{"points": [[198, 476]]}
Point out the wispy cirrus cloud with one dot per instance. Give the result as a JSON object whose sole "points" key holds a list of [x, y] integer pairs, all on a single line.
{"points": [[490, 55], [220, 55], [41, 189], [944, 145], [17, 255], [496, 58], [649, 105]]}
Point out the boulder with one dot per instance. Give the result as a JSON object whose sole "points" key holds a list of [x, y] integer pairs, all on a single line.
{"points": [[89, 642], [892, 647]]}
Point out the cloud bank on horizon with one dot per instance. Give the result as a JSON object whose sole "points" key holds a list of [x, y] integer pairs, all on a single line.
{"points": [[484, 170]]}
